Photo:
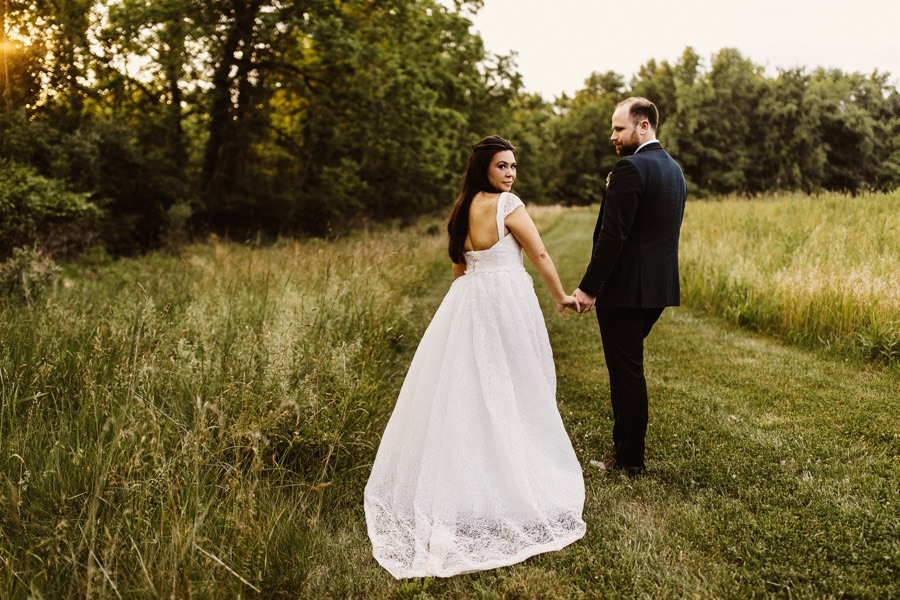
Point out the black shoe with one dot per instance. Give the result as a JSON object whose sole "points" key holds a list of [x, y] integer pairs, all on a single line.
{"points": [[611, 464]]}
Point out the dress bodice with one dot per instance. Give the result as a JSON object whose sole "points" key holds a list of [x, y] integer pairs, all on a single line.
{"points": [[506, 254]]}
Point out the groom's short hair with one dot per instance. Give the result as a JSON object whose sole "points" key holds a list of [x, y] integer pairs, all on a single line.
{"points": [[640, 108]]}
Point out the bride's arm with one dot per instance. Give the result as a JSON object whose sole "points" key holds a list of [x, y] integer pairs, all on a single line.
{"points": [[520, 224], [458, 271]]}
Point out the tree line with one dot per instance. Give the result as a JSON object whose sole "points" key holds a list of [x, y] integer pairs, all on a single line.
{"points": [[132, 124]]}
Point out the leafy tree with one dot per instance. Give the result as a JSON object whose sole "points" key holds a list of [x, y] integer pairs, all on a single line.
{"points": [[20, 69], [400, 90], [723, 105], [856, 118], [790, 154], [537, 153], [582, 134], [58, 57]]}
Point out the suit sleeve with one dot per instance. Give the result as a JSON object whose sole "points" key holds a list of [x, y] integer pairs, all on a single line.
{"points": [[619, 209]]}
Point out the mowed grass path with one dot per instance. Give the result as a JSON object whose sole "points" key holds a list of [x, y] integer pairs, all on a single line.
{"points": [[773, 471]]}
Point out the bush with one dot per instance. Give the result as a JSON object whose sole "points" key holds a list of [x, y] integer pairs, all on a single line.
{"points": [[36, 210], [27, 274], [177, 229]]}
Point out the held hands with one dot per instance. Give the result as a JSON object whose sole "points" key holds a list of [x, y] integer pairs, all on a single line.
{"points": [[568, 302], [585, 301], [578, 301]]}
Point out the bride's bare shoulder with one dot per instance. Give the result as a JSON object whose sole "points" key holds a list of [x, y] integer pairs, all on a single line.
{"points": [[485, 197], [484, 206]]}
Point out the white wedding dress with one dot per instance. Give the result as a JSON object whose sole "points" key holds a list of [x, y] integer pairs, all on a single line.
{"points": [[475, 470]]}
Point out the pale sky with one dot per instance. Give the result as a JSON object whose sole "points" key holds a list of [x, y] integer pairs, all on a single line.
{"points": [[560, 42]]}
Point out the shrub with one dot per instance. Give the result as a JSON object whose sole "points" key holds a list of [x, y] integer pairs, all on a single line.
{"points": [[27, 274], [36, 210]]}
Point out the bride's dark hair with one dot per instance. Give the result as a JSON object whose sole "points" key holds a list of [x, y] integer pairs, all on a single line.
{"points": [[474, 180]]}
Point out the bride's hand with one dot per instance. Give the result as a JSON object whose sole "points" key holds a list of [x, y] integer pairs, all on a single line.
{"points": [[568, 302]]}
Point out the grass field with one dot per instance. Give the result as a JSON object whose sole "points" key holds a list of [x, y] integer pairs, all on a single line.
{"points": [[818, 271], [203, 426]]}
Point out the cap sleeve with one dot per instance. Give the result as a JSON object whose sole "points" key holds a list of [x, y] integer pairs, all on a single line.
{"points": [[506, 204]]}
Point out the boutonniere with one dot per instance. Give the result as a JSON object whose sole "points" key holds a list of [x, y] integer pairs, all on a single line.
{"points": [[608, 177]]}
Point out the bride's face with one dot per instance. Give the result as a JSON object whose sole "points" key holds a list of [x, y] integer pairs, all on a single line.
{"points": [[502, 172]]}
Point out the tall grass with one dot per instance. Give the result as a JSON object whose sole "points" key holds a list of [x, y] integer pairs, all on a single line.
{"points": [[167, 422], [196, 424], [819, 271]]}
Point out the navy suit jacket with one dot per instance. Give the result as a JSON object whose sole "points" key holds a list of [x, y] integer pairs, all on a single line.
{"points": [[634, 262]]}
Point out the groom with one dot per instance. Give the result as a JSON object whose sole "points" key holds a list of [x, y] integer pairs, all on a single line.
{"points": [[633, 272]]}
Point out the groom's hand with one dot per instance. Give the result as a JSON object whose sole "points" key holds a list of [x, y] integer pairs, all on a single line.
{"points": [[585, 300]]}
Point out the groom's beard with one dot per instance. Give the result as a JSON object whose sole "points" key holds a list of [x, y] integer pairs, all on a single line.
{"points": [[628, 148]]}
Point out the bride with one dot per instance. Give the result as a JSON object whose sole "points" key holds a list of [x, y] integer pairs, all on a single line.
{"points": [[475, 470]]}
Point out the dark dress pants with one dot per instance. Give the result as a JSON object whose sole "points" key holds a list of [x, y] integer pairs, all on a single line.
{"points": [[623, 331]]}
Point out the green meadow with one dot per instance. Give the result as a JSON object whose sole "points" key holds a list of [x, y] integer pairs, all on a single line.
{"points": [[819, 271], [202, 424]]}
